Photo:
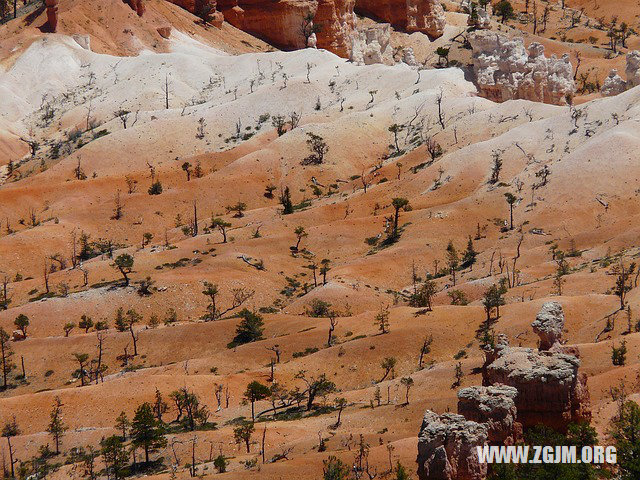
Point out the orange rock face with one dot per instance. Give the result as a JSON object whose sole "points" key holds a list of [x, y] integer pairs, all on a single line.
{"points": [[194, 6], [281, 23], [337, 26], [426, 16]]}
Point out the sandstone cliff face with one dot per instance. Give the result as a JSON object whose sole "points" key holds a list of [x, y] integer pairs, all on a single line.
{"points": [[338, 25], [194, 5], [447, 448], [426, 16], [278, 23], [506, 70], [281, 22]]}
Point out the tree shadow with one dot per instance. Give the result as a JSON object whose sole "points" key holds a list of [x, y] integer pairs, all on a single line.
{"points": [[29, 19]]}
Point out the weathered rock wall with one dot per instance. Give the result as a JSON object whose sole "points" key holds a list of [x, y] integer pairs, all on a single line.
{"points": [[614, 84], [282, 22], [337, 26], [426, 16], [447, 448], [506, 70], [494, 406]]}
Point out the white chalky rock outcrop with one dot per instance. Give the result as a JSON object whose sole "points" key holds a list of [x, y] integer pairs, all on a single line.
{"points": [[613, 84], [408, 57], [633, 69], [549, 324], [371, 45], [506, 70]]}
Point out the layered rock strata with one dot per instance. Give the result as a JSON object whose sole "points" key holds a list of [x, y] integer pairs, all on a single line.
{"points": [[426, 16], [447, 448]]}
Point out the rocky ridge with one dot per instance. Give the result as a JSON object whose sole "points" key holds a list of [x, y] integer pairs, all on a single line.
{"points": [[522, 388]]}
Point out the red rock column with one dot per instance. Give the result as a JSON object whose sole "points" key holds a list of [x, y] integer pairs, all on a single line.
{"points": [[140, 7], [52, 14], [137, 6]]}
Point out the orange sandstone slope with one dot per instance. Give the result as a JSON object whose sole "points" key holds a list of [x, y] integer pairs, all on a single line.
{"points": [[89, 182], [116, 29]]}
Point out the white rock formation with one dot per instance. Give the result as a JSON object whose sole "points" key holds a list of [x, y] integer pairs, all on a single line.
{"points": [[613, 84], [633, 69], [479, 17], [371, 45], [549, 324], [408, 57], [83, 40], [505, 70]]}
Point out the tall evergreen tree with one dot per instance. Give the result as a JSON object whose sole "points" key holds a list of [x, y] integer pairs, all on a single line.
{"points": [[147, 432], [249, 329], [56, 427]]}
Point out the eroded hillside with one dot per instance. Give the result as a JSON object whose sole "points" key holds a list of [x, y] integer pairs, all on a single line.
{"points": [[138, 182]]}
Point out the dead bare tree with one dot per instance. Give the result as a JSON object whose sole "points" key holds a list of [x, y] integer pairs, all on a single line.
{"points": [[333, 322], [441, 119], [167, 90]]}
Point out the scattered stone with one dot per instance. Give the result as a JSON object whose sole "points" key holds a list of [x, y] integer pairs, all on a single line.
{"points": [[18, 336], [137, 6], [83, 40], [165, 32], [217, 19]]}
